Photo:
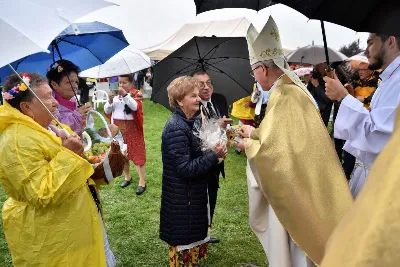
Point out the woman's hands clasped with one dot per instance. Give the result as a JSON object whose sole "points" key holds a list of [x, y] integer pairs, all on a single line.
{"points": [[221, 150]]}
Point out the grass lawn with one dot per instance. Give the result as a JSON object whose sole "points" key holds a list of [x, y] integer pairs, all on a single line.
{"points": [[133, 222]]}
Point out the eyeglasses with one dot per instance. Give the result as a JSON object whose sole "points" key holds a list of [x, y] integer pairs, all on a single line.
{"points": [[252, 71], [203, 84]]}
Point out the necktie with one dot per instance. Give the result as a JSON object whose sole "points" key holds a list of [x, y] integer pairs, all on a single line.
{"points": [[211, 111]]}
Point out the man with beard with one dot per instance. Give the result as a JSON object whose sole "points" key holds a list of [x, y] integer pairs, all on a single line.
{"points": [[367, 131]]}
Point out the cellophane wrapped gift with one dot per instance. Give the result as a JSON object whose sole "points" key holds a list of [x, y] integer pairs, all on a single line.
{"points": [[210, 133]]}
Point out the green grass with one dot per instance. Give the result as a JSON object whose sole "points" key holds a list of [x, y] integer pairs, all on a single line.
{"points": [[133, 222]]}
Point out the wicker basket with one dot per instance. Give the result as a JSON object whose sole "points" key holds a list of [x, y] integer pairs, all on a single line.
{"points": [[113, 163]]}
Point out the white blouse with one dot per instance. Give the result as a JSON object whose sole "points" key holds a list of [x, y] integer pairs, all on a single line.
{"points": [[118, 106]]}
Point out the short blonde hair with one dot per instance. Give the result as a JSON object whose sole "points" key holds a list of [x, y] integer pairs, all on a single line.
{"points": [[181, 87]]}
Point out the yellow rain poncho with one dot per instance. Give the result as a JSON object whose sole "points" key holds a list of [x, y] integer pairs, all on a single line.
{"points": [[50, 217]]}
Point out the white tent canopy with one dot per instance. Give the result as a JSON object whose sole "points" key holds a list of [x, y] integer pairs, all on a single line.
{"points": [[220, 28], [128, 60], [224, 28]]}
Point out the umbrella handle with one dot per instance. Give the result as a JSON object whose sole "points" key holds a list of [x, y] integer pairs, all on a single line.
{"points": [[331, 74]]}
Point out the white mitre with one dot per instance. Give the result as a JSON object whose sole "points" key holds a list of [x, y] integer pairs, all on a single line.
{"points": [[267, 45]]}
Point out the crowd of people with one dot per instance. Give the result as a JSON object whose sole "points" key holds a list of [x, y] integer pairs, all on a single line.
{"points": [[297, 176]]}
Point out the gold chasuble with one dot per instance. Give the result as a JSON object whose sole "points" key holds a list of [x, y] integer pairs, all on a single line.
{"points": [[369, 234], [297, 168]]}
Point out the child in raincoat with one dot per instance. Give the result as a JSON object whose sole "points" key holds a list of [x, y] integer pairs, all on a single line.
{"points": [[50, 217]]}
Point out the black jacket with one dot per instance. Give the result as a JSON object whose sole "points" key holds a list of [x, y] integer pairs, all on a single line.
{"points": [[319, 95], [324, 103], [184, 213]]}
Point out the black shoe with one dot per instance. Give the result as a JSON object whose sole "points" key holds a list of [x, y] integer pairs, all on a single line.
{"points": [[213, 240], [125, 183], [140, 190]]}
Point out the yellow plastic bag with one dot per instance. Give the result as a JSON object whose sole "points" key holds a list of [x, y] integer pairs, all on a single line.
{"points": [[240, 111]]}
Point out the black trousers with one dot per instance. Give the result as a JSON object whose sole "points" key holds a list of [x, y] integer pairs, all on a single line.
{"points": [[213, 186], [348, 160]]}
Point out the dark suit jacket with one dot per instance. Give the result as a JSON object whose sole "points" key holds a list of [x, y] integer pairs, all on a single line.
{"points": [[220, 105]]}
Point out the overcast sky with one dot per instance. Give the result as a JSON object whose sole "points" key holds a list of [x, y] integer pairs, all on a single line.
{"points": [[147, 23]]}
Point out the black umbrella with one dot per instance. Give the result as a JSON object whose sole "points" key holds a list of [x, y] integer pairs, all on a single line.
{"points": [[359, 15], [225, 59], [206, 5]]}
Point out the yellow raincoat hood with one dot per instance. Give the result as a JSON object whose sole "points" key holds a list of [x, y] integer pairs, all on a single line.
{"points": [[50, 218]]}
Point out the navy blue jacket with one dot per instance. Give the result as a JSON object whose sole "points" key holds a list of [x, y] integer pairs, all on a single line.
{"points": [[184, 213]]}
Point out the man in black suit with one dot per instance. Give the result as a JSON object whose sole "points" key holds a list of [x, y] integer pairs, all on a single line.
{"points": [[214, 106]]}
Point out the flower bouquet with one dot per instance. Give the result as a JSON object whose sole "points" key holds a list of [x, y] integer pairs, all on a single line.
{"points": [[210, 133], [103, 150], [232, 133]]}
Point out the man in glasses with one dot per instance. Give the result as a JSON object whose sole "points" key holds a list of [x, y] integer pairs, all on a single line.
{"points": [[214, 106], [303, 193]]}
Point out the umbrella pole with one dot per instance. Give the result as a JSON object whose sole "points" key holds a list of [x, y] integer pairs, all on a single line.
{"points": [[54, 43], [325, 42], [36, 96], [201, 61]]}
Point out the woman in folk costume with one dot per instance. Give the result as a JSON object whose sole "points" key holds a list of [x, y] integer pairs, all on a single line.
{"points": [[63, 79], [368, 235], [50, 217], [292, 159], [127, 113]]}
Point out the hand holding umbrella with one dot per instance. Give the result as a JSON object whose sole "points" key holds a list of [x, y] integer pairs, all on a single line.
{"points": [[334, 88], [83, 110]]}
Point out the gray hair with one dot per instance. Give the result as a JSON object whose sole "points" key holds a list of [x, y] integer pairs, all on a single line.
{"points": [[269, 64]]}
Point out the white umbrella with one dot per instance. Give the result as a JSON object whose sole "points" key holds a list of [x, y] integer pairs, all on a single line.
{"points": [[29, 26], [315, 54], [303, 71], [356, 60], [128, 60]]}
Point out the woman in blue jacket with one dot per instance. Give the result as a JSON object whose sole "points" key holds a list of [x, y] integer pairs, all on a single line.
{"points": [[184, 215]]}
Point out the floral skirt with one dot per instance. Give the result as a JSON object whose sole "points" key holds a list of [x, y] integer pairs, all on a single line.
{"points": [[187, 257], [134, 139]]}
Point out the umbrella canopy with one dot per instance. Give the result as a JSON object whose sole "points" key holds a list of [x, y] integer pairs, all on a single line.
{"points": [[206, 5], [314, 54], [359, 15], [303, 71], [129, 60], [356, 60], [226, 60], [85, 44], [29, 26]]}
